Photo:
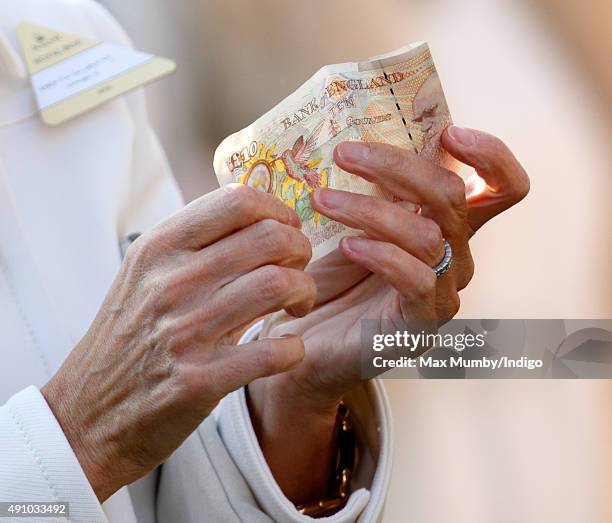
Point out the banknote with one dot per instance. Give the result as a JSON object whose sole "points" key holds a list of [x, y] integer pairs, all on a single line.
{"points": [[396, 98]]}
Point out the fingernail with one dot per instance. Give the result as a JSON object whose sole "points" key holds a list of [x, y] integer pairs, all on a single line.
{"points": [[353, 152], [462, 136], [329, 198], [356, 244]]}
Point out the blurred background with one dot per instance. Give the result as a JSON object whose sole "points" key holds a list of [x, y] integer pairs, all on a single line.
{"points": [[536, 73]]}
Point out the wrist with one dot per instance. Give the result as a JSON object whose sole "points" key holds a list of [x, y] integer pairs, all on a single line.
{"points": [[58, 399], [297, 436], [278, 408], [285, 393]]}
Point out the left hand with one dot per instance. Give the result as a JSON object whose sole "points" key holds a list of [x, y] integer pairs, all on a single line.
{"points": [[386, 273]]}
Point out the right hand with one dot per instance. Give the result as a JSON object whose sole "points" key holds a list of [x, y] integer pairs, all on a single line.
{"points": [[162, 351]]}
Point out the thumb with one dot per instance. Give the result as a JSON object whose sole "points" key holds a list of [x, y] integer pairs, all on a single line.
{"points": [[503, 181]]}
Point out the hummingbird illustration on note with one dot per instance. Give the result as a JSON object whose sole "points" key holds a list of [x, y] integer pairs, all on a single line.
{"points": [[295, 159]]}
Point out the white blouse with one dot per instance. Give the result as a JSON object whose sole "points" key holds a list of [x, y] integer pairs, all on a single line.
{"points": [[67, 197]]}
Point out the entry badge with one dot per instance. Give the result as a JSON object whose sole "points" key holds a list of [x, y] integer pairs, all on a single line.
{"points": [[72, 75]]}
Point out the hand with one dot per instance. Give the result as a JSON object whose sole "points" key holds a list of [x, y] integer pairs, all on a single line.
{"points": [[161, 352], [384, 274]]}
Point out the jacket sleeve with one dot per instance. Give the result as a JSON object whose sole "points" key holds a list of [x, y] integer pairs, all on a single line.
{"points": [[36, 462], [220, 471]]}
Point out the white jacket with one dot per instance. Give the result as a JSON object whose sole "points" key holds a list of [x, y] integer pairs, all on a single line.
{"points": [[67, 196]]}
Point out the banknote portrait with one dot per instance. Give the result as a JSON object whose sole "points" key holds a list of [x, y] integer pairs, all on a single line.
{"points": [[432, 114]]}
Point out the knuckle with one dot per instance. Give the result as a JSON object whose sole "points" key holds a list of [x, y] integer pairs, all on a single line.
{"points": [[369, 212], [427, 284], [454, 304], [467, 273], [521, 185], [296, 247], [492, 148], [305, 289], [142, 274], [393, 159], [501, 157], [142, 251], [174, 282], [274, 282], [455, 190], [240, 199], [305, 247], [274, 235], [311, 286], [267, 360], [495, 143], [497, 149], [132, 252], [432, 241]]}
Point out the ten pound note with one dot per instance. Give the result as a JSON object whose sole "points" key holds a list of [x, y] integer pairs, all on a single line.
{"points": [[395, 98]]}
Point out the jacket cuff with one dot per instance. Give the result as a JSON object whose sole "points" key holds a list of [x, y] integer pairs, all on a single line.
{"points": [[370, 410], [37, 463]]}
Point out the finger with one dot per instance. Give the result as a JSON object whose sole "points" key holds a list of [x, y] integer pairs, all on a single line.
{"points": [[439, 192], [219, 214], [334, 274], [505, 181], [415, 281], [267, 242], [383, 220], [237, 366], [401, 172], [267, 289]]}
